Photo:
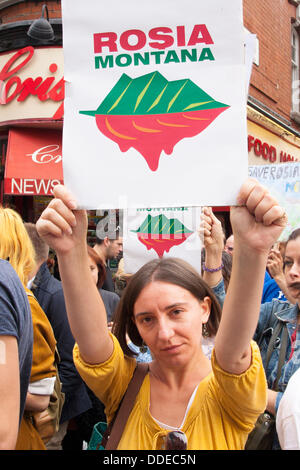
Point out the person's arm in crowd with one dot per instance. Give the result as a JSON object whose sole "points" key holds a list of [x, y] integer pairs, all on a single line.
{"points": [[271, 404], [212, 234], [36, 402], [257, 222], [65, 229], [9, 392], [120, 274], [275, 268], [212, 237]]}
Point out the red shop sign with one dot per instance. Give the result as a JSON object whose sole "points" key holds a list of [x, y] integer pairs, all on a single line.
{"points": [[33, 162], [13, 88]]}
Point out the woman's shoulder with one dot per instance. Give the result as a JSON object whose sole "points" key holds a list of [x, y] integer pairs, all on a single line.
{"points": [[275, 310], [117, 364]]}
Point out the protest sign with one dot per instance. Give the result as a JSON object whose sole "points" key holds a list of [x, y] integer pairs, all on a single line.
{"points": [[250, 54], [155, 107], [161, 232], [283, 182]]}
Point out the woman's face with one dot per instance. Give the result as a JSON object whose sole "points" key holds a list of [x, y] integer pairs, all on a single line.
{"points": [[292, 267], [169, 319], [94, 269]]}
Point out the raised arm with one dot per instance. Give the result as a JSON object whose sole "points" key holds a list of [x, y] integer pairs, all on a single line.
{"points": [[9, 392], [275, 267], [212, 236], [65, 230], [257, 223]]}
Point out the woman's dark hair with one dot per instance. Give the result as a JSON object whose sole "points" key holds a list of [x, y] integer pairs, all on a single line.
{"points": [[101, 268], [295, 234], [171, 270]]}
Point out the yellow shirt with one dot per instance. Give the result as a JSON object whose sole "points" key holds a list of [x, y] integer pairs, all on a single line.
{"points": [[44, 342], [43, 356], [224, 410]]}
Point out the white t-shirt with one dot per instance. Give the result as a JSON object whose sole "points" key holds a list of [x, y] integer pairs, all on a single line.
{"points": [[208, 344], [288, 415]]}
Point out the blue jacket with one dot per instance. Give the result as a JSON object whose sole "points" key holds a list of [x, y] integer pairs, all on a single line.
{"points": [[271, 290], [270, 314], [49, 293]]}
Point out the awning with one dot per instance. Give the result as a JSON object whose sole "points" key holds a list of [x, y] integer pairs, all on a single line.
{"points": [[33, 162]]}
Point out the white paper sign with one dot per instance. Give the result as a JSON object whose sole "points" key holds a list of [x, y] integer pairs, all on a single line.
{"points": [[161, 232], [155, 107], [283, 182], [250, 52]]}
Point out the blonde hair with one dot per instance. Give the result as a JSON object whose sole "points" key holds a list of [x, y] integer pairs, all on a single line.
{"points": [[15, 244]]}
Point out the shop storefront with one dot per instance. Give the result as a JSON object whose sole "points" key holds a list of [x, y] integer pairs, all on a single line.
{"points": [[269, 143], [31, 121], [33, 165]]}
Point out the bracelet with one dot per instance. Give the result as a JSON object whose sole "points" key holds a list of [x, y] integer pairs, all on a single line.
{"points": [[212, 270]]}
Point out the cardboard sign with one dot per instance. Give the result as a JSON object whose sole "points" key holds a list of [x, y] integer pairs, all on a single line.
{"points": [[161, 232], [155, 99]]}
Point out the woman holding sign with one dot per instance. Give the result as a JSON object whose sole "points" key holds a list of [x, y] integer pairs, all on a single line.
{"points": [[213, 405]]}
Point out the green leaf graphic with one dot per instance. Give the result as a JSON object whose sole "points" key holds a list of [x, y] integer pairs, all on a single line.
{"points": [[154, 94], [161, 225]]}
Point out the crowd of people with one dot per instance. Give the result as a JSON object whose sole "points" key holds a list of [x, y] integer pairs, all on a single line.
{"points": [[221, 345]]}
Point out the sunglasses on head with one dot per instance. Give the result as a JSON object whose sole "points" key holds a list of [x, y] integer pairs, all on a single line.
{"points": [[176, 440]]}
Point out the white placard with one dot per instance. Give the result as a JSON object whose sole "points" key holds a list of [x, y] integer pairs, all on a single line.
{"points": [[161, 232], [155, 107], [250, 53]]}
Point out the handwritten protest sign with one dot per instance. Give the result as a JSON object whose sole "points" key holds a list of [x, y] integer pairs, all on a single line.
{"points": [[283, 182], [161, 232], [155, 107]]}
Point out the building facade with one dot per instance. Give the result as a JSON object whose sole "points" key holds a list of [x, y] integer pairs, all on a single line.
{"points": [[273, 101]]}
